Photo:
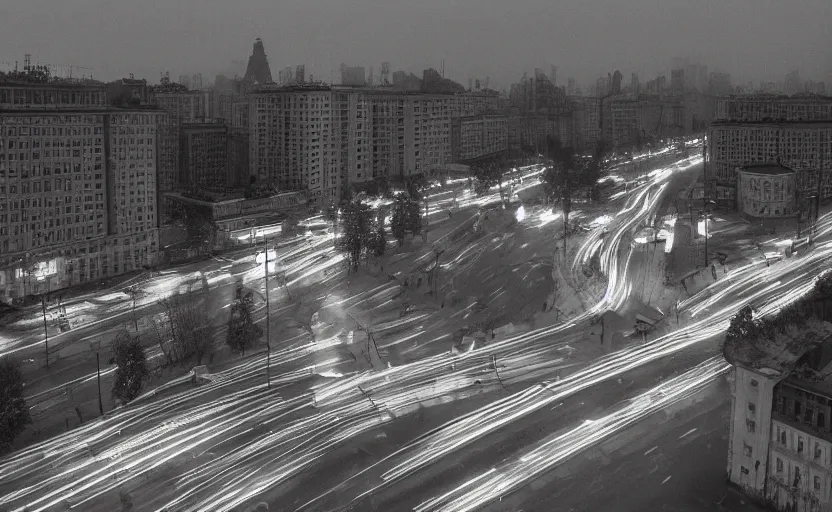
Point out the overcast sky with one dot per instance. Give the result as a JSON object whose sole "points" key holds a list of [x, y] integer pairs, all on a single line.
{"points": [[752, 39]]}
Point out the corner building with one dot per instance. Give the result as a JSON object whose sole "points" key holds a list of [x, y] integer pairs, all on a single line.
{"points": [[78, 185], [780, 441], [794, 132]]}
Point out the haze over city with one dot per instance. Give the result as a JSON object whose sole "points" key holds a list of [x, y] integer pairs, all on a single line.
{"points": [[751, 39], [461, 256]]}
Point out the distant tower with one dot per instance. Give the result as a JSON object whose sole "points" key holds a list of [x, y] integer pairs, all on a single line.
{"points": [[300, 74], [616, 82], [554, 77], [370, 78], [477, 84], [258, 65], [385, 73]]}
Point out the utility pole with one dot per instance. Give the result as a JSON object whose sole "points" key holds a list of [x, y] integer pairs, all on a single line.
{"points": [[45, 329], [705, 195], [427, 218], [268, 315], [96, 347], [817, 199], [335, 227]]}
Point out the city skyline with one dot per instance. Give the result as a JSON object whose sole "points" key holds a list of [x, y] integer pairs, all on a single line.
{"points": [[471, 43]]}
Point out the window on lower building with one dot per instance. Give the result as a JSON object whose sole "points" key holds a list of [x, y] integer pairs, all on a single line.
{"points": [[783, 438], [746, 449], [751, 426], [744, 470], [752, 407], [817, 483], [817, 450], [779, 465], [799, 444]]}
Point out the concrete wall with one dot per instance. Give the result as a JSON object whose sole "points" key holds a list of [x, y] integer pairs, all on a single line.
{"points": [[750, 430], [805, 455]]}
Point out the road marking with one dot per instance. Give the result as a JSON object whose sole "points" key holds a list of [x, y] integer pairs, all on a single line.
{"points": [[651, 450], [691, 431]]}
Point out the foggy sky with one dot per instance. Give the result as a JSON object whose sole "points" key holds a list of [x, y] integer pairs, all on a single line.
{"points": [[751, 39]]}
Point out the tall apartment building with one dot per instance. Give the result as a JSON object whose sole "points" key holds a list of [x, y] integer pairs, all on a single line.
{"points": [[780, 441], [656, 87], [473, 103], [720, 84], [183, 106], [293, 142], [677, 81], [793, 132], [78, 192], [212, 157], [319, 138], [478, 136], [531, 132], [793, 84], [588, 112], [625, 126]]}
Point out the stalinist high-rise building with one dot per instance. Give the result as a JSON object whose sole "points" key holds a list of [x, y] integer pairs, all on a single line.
{"points": [[258, 65]]}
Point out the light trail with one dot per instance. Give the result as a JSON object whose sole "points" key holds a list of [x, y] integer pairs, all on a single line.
{"points": [[233, 439], [513, 474]]}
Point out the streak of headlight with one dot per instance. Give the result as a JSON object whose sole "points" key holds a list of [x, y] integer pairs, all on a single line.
{"points": [[464, 430], [498, 482], [250, 469]]}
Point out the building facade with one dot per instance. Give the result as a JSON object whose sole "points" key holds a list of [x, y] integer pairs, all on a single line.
{"points": [[478, 136], [240, 221], [182, 106], [472, 103], [319, 138], [794, 132], [766, 191], [78, 198], [780, 441], [213, 157]]}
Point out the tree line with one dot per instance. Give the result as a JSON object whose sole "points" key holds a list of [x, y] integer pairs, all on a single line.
{"points": [[184, 332]]}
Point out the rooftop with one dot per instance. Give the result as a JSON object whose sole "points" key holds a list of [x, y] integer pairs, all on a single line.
{"points": [[770, 121], [776, 343], [767, 169]]}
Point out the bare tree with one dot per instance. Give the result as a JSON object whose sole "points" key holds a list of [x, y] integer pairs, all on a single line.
{"points": [[184, 330]]}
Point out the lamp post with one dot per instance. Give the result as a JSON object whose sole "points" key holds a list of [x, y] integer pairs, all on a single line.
{"points": [[45, 329], [96, 347], [268, 314]]}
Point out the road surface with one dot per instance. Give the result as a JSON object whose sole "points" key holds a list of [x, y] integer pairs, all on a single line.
{"points": [[232, 442]]}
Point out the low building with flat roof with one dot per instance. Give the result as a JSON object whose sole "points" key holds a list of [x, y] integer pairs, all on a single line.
{"points": [[766, 191]]}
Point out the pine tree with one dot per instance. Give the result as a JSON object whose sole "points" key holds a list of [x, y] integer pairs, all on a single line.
{"points": [[14, 414], [380, 242], [742, 327], [406, 217], [242, 331], [132, 371]]}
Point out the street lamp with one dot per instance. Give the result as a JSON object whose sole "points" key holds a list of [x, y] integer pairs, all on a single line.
{"points": [[95, 346], [268, 314]]}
